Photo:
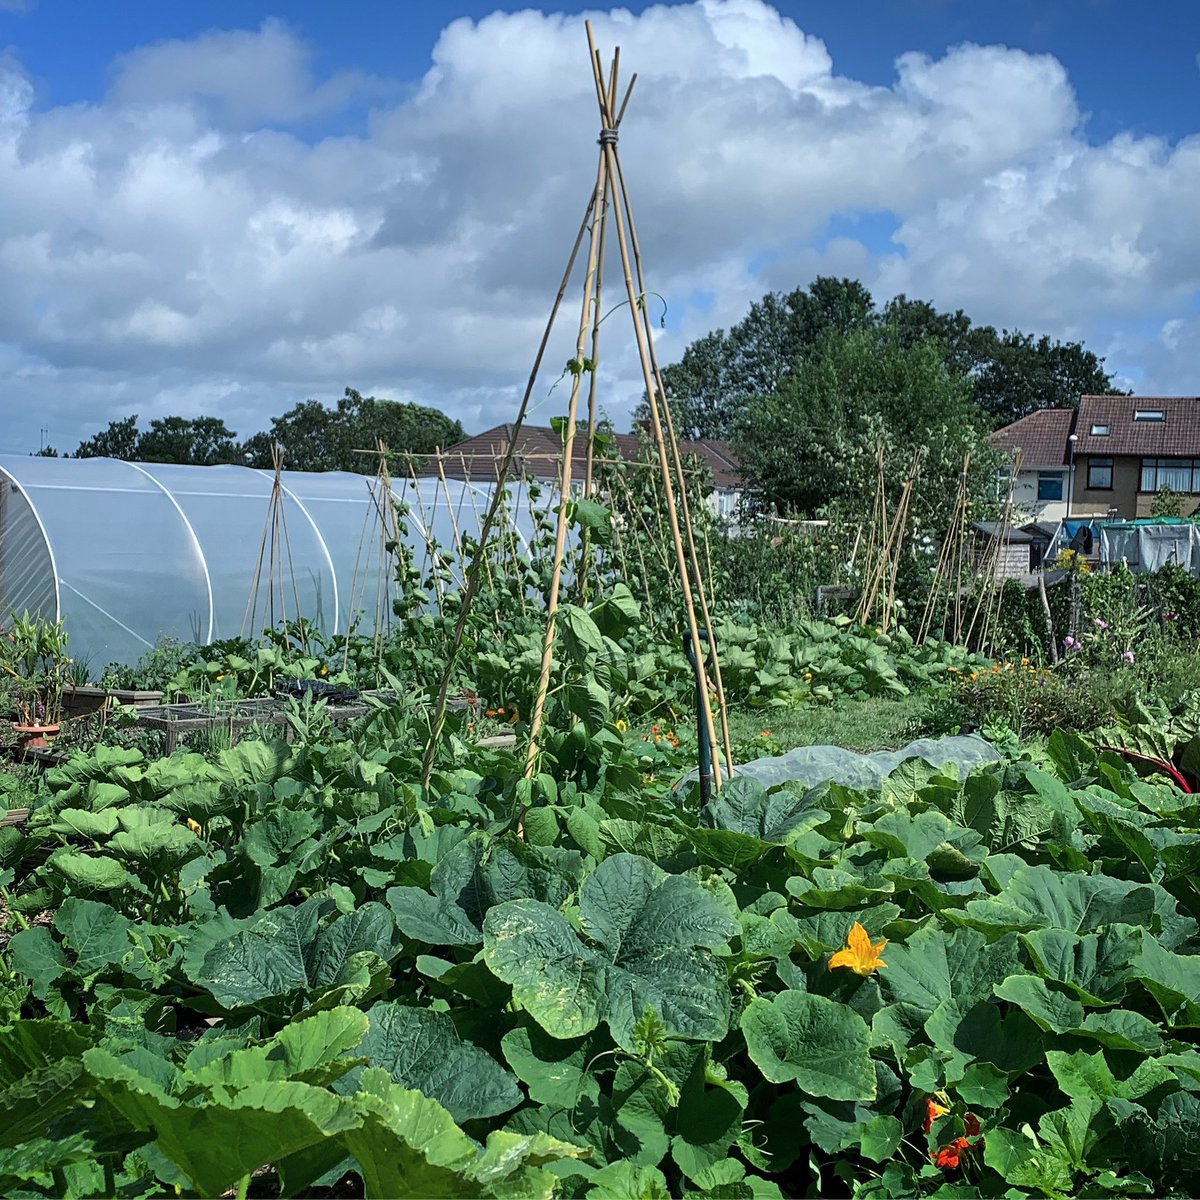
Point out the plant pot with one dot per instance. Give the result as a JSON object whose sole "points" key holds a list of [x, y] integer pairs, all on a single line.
{"points": [[34, 737]]}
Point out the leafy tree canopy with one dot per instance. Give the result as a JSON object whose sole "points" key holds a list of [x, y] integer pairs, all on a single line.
{"points": [[314, 437], [1013, 373], [812, 444]]}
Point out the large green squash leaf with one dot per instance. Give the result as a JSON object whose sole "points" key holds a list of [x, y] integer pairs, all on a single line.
{"points": [[1042, 898], [421, 1049], [821, 1044], [288, 950], [217, 1142], [313, 1050], [652, 937]]}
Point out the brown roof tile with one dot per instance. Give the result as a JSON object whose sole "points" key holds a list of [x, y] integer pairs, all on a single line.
{"points": [[1041, 437], [1176, 435], [539, 451]]}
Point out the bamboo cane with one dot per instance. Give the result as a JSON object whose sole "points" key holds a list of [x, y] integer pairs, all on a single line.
{"points": [[608, 150]]}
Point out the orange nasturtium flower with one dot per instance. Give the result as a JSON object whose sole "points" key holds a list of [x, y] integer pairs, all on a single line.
{"points": [[949, 1158], [933, 1110], [861, 954]]}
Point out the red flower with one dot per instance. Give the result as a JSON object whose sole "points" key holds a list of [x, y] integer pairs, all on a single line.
{"points": [[949, 1158], [971, 1122], [933, 1110]]}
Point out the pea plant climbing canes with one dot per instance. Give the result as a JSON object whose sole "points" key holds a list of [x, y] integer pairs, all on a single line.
{"points": [[611, 196]]}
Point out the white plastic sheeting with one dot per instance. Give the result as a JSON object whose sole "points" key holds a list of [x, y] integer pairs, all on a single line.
{"points": [[127, 553], [1147, 547]]}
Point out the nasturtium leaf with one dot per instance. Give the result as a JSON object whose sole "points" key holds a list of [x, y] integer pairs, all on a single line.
{"points": [[421, 1049], [820, 1043], [652, 938], [881, 1137], [983, 1086]]}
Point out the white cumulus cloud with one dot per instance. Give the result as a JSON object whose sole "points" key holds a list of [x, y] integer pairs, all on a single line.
{"points": [[191, 242]]}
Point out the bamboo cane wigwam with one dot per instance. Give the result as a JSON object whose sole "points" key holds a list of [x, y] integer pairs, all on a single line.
{"points": [[609, 197]]}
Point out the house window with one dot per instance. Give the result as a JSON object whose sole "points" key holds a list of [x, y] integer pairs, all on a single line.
{"points": [[1099, 431], [1175, 474], [1050, 485], [1100, 474], [1149, 414]]}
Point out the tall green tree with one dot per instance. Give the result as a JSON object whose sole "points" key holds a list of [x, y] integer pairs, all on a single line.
{"points": [[195, 441], [1017, 374], [720, 372], [812, 443], [318, 438], [117, 440], [1014, 373]]}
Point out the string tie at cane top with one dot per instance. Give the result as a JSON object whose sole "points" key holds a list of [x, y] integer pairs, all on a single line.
{"points": [[608, 137]]}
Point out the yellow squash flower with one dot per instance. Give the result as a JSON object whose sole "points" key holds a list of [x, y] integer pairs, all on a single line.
{"points": [[861, 954], [622, 726]]}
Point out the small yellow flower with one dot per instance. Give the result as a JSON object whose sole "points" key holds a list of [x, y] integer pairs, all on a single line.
{"points": [[324, 671], [220, 677], [194, 826], [622, 725], [861, 954]]}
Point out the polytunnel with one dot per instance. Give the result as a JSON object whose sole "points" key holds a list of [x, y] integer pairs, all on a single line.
{"points": [[127, 553]]}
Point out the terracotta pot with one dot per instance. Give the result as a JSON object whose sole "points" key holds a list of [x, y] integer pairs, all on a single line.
{"points": [[34, 737]]}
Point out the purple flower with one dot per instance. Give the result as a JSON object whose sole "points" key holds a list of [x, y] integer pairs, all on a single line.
{"points": [[1069, 643], [1101, 624], [1128, 656]]}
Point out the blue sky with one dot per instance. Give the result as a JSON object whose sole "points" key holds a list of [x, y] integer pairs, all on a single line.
{"points": [[226, 207]]}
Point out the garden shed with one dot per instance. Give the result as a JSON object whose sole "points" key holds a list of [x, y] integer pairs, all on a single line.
{"points": [[126, 553]]}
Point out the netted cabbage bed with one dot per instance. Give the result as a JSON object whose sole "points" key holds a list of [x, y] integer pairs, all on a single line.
{"points": [[811, 766]]}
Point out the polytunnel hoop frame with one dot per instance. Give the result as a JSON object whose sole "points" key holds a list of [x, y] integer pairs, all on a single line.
{"points": [[200, 555], [37, 516]]}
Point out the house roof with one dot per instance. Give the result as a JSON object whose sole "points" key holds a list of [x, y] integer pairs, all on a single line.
{"points": [[539, 452], [1041, 437], [1176, 435]]}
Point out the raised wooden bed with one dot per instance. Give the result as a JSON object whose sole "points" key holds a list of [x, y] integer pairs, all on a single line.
{"points": [[83, 700]]}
